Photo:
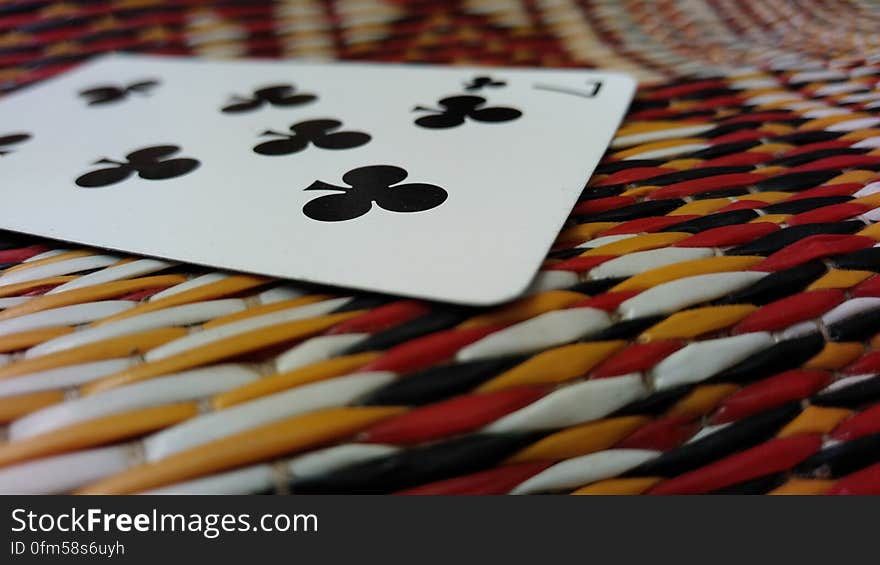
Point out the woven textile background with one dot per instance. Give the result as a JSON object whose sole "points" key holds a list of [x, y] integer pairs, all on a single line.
{"points": [[707, 321]]}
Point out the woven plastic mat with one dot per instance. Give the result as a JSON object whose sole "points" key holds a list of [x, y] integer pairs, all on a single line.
{"points": [[707, 322]]}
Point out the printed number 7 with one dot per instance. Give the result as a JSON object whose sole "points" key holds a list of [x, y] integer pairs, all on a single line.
{"points": [[591, 92]]}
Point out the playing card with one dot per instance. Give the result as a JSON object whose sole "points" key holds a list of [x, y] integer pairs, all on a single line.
{"points": [[445, 183]]}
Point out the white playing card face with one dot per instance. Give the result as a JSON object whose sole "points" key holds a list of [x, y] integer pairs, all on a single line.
{"points": [[456, 200]]}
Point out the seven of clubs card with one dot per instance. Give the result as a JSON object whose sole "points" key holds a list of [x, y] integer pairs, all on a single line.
{"points": [[446, 183]]}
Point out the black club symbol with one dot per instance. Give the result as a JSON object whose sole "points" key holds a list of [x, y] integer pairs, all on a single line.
{"points": [[457, 108], [278, 95], [108, 93], [377, 183], [316, 132], [480, 82], [149, 163], [12, 139]]}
